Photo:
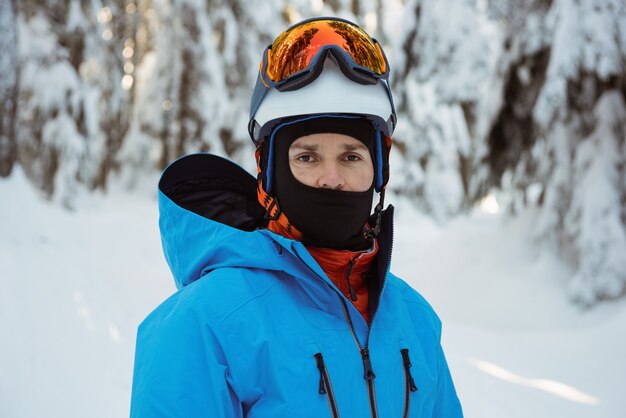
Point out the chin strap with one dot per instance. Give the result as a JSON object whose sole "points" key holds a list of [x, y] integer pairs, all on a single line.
{"points": [[371, 232]]}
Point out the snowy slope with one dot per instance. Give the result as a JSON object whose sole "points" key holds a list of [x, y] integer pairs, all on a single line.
{"points": [[75, 285], [516, 346], [74, 288]]}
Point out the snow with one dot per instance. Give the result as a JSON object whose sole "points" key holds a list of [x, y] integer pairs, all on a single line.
{"points": [[75, 285], [516, 345]]}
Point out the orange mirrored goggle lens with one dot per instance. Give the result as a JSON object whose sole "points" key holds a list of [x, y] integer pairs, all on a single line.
{"points": [[295, 48]]}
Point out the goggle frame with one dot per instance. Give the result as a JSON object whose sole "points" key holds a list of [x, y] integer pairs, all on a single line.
{"points": [[342, 58]]}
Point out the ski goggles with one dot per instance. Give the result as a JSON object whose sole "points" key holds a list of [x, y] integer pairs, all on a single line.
{"points": [[297, 55]]}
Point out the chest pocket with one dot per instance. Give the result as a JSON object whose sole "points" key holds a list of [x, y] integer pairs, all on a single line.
{"points": [[325, 386], [419, 365], [409, 382]]}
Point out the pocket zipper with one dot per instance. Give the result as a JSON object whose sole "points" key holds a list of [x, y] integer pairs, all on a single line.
{"points": [[409, 382], [325, 388]]}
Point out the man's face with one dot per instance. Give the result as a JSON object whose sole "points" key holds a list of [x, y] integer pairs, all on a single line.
{"points": [[331, 161]]}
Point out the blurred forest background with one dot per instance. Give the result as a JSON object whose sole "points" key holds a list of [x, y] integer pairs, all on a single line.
{"points": [[518, 103]]}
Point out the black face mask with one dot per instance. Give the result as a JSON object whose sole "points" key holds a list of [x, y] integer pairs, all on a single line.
{"points": [[327, 218]]}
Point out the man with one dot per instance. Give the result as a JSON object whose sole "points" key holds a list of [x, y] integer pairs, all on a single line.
{"points": [[288, 308]]}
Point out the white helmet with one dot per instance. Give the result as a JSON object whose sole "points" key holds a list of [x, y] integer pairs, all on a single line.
{"points": [[330, 93]]}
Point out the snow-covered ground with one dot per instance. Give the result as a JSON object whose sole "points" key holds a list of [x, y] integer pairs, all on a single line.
{"points": [[75, 285]]}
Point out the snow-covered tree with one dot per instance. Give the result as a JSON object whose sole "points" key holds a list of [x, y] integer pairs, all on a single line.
{"points": [[441, 63], [196, 67], [559, 132], [581, 120], [71, 105]]}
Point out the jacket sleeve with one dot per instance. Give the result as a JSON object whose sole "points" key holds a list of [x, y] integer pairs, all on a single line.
{"points": [[447, 404], [180, 369]]}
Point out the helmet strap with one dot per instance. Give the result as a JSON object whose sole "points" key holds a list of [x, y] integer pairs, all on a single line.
{"points": [[371, 232]]}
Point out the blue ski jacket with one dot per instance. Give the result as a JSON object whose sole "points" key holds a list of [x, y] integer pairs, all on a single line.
{"points": [[258, 330]]}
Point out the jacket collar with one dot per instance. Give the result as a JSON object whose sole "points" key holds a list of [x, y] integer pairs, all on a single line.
{"points": [[210, 218]]}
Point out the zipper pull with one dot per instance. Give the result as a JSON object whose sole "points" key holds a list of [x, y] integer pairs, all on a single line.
{"points": [[367, 365], [348, 273], [407, 369], [321, 367]]}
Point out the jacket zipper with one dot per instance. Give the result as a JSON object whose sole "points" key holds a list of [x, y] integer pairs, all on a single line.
{"points": [[325, 387], [409, 382], [369, 377], [365, 352], [369, 374]]}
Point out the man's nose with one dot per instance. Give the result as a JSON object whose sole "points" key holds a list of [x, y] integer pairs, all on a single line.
{"points": [[330, 177]]}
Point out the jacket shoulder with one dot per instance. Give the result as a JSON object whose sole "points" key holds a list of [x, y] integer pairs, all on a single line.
{"points": [[215, 296], [420, 306]]}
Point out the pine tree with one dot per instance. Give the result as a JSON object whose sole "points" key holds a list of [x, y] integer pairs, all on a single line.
{"points": [[560, 130], [71, 105], [442, 59]]}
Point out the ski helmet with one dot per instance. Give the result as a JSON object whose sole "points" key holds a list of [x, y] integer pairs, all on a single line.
{"points": [[334, 79]]}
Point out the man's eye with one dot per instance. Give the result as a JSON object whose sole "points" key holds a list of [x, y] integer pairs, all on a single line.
{"points": [[353, 157], [304, 158]]}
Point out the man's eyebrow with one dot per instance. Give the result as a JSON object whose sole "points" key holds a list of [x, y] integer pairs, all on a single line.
{"points": [[305, 147], [354, 147], [315, 147]]}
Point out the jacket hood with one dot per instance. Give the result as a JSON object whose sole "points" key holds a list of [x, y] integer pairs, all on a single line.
{"points": [[208, 218]]}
